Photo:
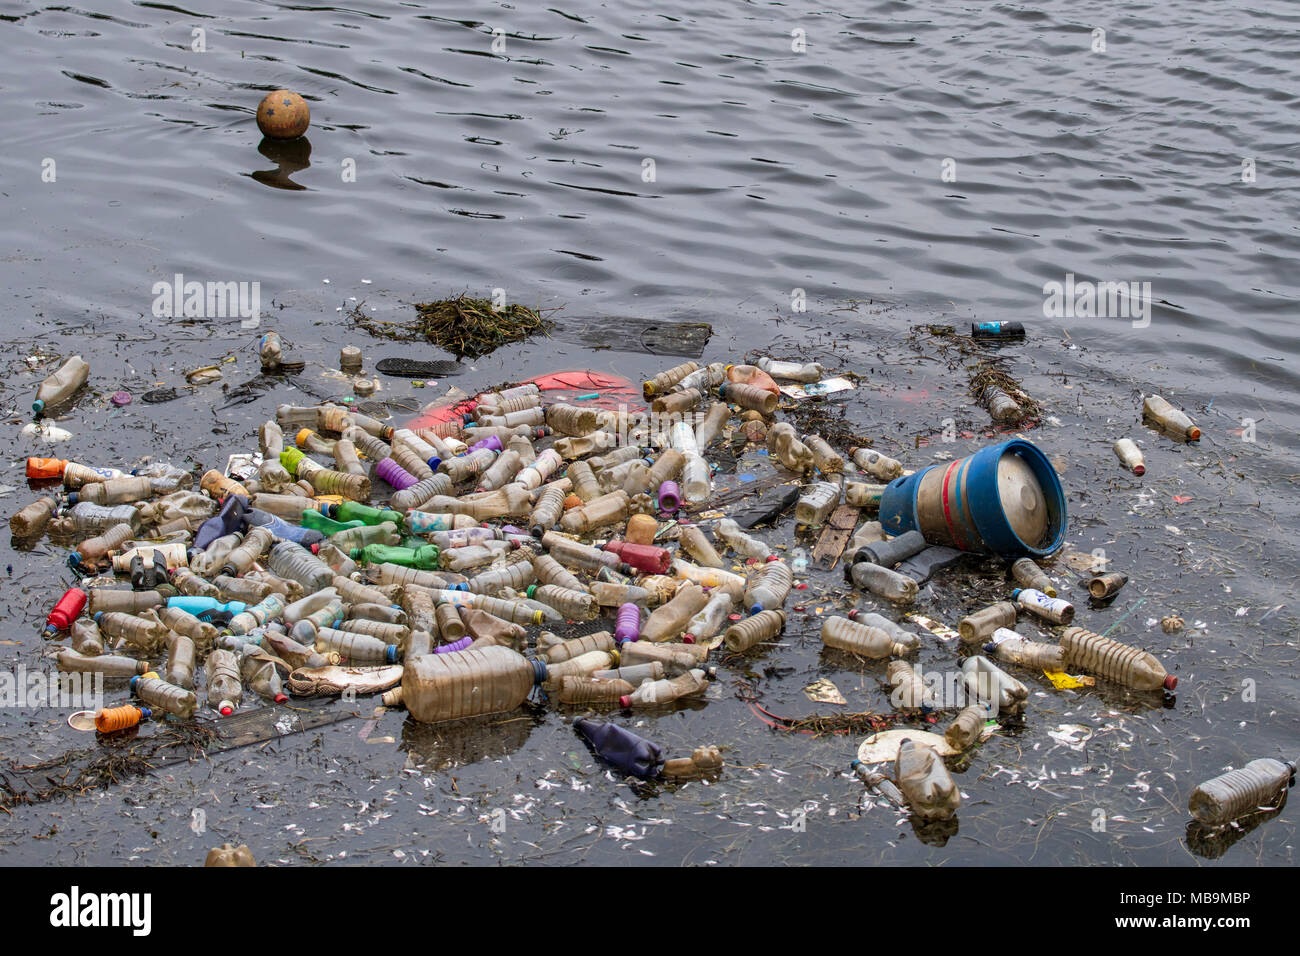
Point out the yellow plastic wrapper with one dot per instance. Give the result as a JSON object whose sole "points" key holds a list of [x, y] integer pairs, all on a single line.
{"points": [[1063, 681]]}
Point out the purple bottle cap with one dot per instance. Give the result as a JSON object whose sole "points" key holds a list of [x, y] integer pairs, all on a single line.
{"points": [[492, 442], [121, 398], [670, 497]]}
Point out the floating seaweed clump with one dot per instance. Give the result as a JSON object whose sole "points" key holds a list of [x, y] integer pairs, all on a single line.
{"points": [[463, 326]]}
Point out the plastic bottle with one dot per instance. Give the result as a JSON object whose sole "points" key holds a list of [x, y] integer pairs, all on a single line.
{"points": [[1130, 456], [879, 466], [712, 424], [659, 692], [861, 494], [1103, 586], [31, 521], [694, 543], [200, 632], [1258, 785], [816, 503], [878, 782], [791, 371], [385, 533], [270, 471], [925, 782], [271, 351], [424, 558], [645, 558], [968, 727], [520, 574], [883, 582], [110, 665], [1115, 661], [634, 674], [1029, 575], [575, 647], [263, 678], [669, 620], [708, 621], [160, 695], [356, 648], [127, 601], [86, 638], [669, 495], [737, 540], [424, 522], [667, 467], [673, 657], [716, 578], [288, 560], [827, 460], [988, 683], [784, 443], [201, 605], [87, 517], [873, 642], [1014, 648], [761, 627], [547, 511], [181, 655], [908, 639], [695, 484], [472, 683], [908, 692], [219, 487], [1001, 406], [66, 610], [62, 384], [146, 634], [573, 605], [612, 508], [978, 627], [609, 594], [225, 688], [1170, 419], [1054, 610], [769, 587], [412, 463], [254, 616], [588, 690], [668, 378]]}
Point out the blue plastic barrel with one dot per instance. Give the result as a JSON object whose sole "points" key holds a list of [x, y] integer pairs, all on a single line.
{"points": [[1005, 499]]}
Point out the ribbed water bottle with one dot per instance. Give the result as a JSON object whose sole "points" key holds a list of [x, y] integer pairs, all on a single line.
{"points": [[1115, 661]]}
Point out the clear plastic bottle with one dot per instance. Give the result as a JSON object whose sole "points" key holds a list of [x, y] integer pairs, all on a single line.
{"points": [[987, 683], [248, 590], [241, 559], [862, 639], [877, 781], [576, 647], [213, 558], [1115, 661], [670, 620], [769, 587], [93, 550], [1053, 610], [826, 458], [968, 727], [31, 521], [573, 605], [1029, 575], [716, 578], [668, 378], [883, 582], [791, 371], [575, 689], [861, 494], [87, 517], [925, 782], [110, 665], [745, 545], [292, 561], [783, 442], [677, 402], [255, 615], [225, 689], [1169, 418], [705, 625], [675, 658], [62, 384], [1014, 648], [143, 631], [900, 635], [424, 522], [271, 439], [472, 683], [611, 594], [520, 574], [697, 545], [696, 486], [181, 655], [978, 627], [412, 463], [908, 692], [712, 424], [160, 695], [1130, 456], [570, 419], [1258, 785], [384, 533], [654, 693], [262, 677], [667, 467], [200, 632], [355, 648], [761, 627], [86, 638], [816, 503], [1102, 586], [612, 508], [118, 599]]}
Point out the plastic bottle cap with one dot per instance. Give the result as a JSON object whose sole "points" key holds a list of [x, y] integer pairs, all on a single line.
{"points": [[772, 557], [1171, 682], [38, 406], [853, 614], [226, 708], [755, 609], [281, 698], [625, 701], [688, 638]]}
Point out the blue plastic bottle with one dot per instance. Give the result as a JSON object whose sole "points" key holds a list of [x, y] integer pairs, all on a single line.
{"points": [[282, 529], [198, 605]]}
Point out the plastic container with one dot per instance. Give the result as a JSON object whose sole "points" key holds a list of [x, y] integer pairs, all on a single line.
{"points": [[160, 695], [1029, 575], [900, 635], [1014, 648], [879, 466], [783, 443], [1115, 661], [925, 782], [745, 545], [581, 689], [791, 371], [472, 683], [66, 610], [1005, 499], [883, 582], [670, 620], [573, 605], [1170, 419], [908, 692], [181, 656], [225, 688], [968, 727], [86, 638], [769, 588], [1103, 586], [646, 558], [861, 639], [816, 503], [668, 378], [1130, 456], [62, 384], [978, 627], [31, 520], [576, 647], [989, 684], [656, 693], [110, 665], [288, 560], [761, 627], [1053, 610], [1258, 785]]}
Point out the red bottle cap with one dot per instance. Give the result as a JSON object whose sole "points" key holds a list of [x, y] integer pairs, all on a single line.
{"points": [[226, 710], [688, 638], [1171, 682], [625, 701], [281, 698]]}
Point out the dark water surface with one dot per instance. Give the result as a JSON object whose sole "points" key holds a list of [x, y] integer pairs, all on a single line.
{"points": [[526, 169]]}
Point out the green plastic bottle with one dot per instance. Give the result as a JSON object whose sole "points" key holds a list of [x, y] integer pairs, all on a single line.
{"points": [[425, 558], [319, 522], [355, 511]]}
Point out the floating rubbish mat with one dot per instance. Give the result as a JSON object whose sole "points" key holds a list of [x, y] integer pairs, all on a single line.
{"points": [[463, 326], [410, 368], [625, 334]]}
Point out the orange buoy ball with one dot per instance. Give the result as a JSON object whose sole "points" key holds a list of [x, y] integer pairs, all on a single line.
{"points": [[283, 115]]}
